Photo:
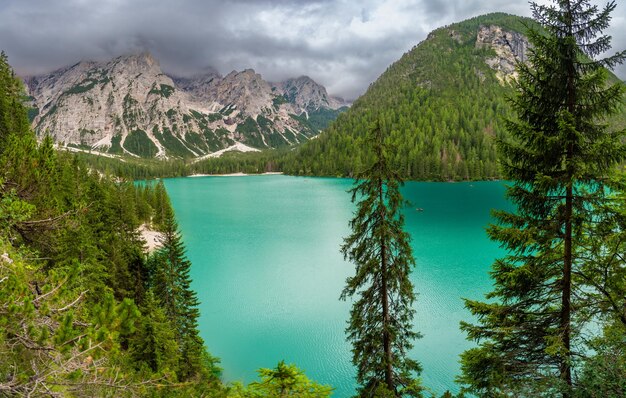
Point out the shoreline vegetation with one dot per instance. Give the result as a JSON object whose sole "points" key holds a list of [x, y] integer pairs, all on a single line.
{"points": [[269, 173], [234, 164]]}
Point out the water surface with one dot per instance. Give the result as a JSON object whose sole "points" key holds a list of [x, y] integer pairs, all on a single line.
{"points": [[268, 272]]}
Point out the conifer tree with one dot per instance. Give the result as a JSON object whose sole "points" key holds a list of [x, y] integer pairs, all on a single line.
{"points": [[288, 381], [172, 282], [558, 158], [13, 117], [160, 204], [155, 343], [380, 326]]}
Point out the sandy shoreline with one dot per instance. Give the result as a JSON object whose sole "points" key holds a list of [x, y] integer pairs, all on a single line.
{"points": [[234, 174], [152, 238]]}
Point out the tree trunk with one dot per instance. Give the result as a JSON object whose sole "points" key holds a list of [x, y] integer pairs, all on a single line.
{"points": [[566, 304], [565, 366], [385, 295]]}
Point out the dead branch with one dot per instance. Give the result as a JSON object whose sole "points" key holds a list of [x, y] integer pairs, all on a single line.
{"points": [[70, 305]]}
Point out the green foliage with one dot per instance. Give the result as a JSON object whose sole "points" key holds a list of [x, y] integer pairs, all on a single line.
{"points": [[41, 313], [604, 373], [558, 157], [281, 382], [131, 112], [138, 142], [13, 210], [380, 326], [279, 100], [164, 90], [249, 162], [196, 141], [88, 83], [155, 345], [81, 87], [169, 269], [443, 105], [250, 129], [13, 117], [116, 144], [319, 119], [133, 168], [604, 272], [174, 146], [32, 114], [315, 120]]}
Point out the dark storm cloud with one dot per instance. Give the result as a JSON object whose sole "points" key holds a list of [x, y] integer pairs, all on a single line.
{"points": [[344, 45]]}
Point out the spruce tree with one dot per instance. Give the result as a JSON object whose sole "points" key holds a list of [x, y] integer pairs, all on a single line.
{"points": [[172, 282], [558, 158], [155, 344], [380, 326]]}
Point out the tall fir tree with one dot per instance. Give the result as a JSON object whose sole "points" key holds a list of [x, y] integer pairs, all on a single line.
{"points": [[380, 326], [558, 158], [170, 268]]}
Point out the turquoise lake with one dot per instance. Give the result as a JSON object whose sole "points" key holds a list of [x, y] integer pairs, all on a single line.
{"points": [[268, 272]]}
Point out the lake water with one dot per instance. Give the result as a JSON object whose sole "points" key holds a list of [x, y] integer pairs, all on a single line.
{"points": [[268, 272]]}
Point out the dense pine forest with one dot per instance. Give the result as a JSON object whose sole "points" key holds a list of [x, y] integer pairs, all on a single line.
{"points": [[79, 312], [554, 323]]}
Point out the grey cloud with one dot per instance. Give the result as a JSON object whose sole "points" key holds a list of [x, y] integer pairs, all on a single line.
{"points": [[344, 45]]}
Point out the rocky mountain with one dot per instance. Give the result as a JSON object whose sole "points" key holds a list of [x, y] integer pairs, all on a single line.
{"points": [[129, 106], [509, 47], [306, 95], [443, 104]]}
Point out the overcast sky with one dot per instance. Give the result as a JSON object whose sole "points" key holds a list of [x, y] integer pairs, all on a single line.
{"points": [[343, 44]]}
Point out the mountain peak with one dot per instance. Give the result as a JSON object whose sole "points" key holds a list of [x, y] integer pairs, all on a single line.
{"points": [[304, 78], [306, 94], [246, 73], [127, 105], [142, 58]]}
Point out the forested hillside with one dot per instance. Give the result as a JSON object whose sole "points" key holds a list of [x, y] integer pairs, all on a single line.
{"points": [[84, 309], [444, 102]]}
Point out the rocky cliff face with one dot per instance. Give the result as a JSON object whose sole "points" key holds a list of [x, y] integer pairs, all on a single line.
{"points": [[510, 47], [306, 95], [129, 106]]}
